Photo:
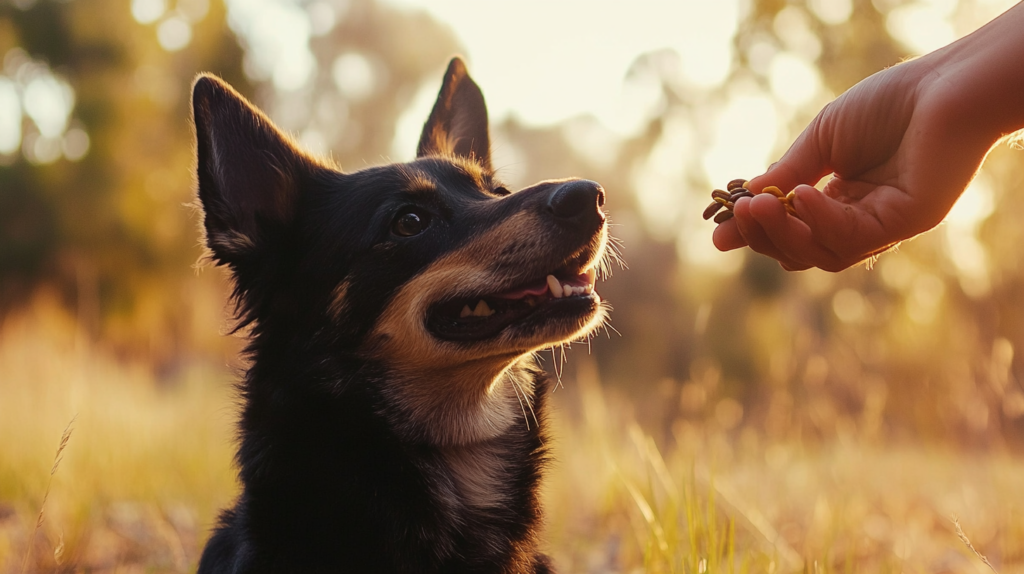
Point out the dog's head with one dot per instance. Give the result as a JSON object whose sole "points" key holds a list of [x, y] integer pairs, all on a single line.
{"points": [[431, 268]]}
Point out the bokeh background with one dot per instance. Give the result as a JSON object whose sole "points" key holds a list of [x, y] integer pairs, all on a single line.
{"points": [[735, 417]]}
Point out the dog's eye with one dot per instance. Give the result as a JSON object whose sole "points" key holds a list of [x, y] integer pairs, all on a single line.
{"points": [[410, 222]]}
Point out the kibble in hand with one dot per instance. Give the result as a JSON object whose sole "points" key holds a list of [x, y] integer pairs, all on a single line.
{"points": [[737, 189]]}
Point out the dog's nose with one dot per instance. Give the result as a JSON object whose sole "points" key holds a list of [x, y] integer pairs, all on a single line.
{"points": [[579, 200]]}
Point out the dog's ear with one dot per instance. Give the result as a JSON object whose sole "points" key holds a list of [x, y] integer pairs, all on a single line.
{"points": [[458, 123], [248, 171]]}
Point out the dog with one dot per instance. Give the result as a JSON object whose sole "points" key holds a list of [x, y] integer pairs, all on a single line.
{"points": [[393, 413]]}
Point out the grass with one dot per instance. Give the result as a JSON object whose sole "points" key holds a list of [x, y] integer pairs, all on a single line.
{"points": [[58, 552], [149, 464]]}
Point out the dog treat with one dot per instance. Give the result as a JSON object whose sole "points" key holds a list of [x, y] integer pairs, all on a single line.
{"points": [[712, 209], [737, 189], [736, 183], [724, 216]]}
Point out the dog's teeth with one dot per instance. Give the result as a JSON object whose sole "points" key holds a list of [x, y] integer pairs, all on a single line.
{"points": [[588, 289], [568, 290], [465, 312], [482, 310], [554, 286]]}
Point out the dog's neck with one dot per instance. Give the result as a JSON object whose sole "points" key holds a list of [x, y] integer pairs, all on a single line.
{"points": [[344, 454], [466, 405]]}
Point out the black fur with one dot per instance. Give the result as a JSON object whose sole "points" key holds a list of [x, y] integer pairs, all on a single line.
{"points": [[337, 476]]}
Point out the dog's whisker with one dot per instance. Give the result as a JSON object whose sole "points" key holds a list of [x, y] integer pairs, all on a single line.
{"points": [[609, 326], [516, 389], [529, 403], [555, 365]]}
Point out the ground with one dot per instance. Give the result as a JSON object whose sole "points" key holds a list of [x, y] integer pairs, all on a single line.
{"points": [[148, 463]]}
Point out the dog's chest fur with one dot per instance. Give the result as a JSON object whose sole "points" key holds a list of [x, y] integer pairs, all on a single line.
{"points": [[361, 497]]}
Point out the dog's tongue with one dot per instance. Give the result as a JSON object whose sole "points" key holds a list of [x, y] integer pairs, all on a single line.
{"points": [[539, 289]]}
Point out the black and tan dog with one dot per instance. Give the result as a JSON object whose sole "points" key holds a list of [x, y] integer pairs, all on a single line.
{"points": [[393, 415]]}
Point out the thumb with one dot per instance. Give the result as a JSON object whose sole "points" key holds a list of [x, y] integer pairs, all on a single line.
{"points": [[803, 163]]}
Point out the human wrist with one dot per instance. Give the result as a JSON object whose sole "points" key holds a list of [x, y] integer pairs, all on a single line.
{"points": [[981, 76]]}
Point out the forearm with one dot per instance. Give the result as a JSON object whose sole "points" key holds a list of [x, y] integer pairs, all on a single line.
{"points": [[983, 75]]}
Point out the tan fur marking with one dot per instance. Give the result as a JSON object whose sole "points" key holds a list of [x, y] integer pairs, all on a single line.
{"points": [[416, 180], [231, 241], [338, 304], [451, 391], [476, 468]]}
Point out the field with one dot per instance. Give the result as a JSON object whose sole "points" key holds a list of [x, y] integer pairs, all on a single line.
{"points": [[747, 420], [148, 463]]}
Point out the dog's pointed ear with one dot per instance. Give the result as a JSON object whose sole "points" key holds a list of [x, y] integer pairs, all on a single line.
{"points": [[248, 171], [458, 123]]}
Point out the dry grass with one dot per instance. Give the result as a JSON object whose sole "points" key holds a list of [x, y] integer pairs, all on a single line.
{"points": [[150, 464], [58, 552]]}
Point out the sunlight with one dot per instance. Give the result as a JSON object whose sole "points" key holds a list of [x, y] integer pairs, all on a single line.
{"points": [[661, 178], [744, 138], [75, 144], [10, 117], [974, 205], [832, 12], [963, 245], [640, 99], [793, 80], [792, 25], [354, 76], [148, 11], [592, 140], [41, 150], [410, 123], [926, 292], [174, 34], [579, 53], [849, 306], [277, 33], [694, 245], [323, 16], [922, 26], [732, 417], [49, 102], [193, 10]]}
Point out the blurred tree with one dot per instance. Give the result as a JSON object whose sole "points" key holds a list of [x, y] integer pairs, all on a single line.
{"points": [[110, 230], [91, 203], [107, 229]]}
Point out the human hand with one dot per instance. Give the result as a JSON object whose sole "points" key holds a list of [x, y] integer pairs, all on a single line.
{"points": [[902, 144]]}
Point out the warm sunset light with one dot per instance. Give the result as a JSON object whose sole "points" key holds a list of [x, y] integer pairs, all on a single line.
{"points": [[729, 417]]}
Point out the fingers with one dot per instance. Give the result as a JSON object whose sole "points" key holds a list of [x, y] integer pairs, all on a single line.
{"points": [[770, 230], [803, 163], [745, 229], [727, 236], [827, 234]]}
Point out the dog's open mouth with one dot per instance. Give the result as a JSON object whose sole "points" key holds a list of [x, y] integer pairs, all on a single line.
{"points": [[483, 316]]}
